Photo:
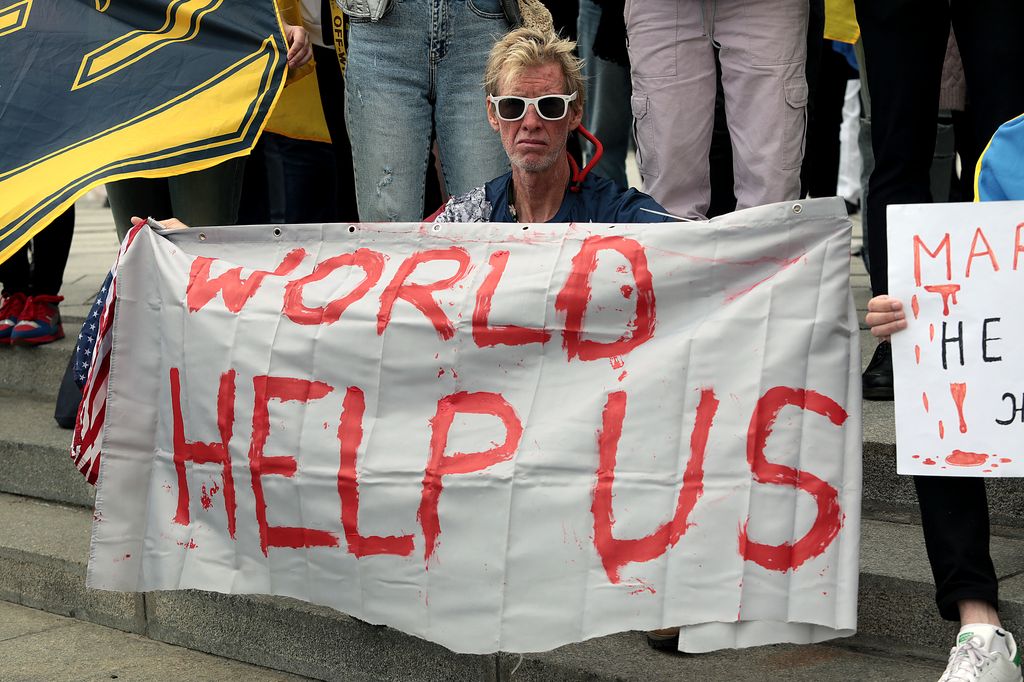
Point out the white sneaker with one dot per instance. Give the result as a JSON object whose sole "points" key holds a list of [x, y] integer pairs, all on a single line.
{"points": [[983, 653]]}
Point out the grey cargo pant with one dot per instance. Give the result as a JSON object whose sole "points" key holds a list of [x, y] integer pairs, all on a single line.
{"points": [[763, 52]]}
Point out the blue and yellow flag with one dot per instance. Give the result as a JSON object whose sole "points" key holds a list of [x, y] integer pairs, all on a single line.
{"points": [[98, 90]]}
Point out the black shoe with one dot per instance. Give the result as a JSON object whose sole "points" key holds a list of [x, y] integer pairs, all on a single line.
{"points": [[666, 639], [877, 378]]}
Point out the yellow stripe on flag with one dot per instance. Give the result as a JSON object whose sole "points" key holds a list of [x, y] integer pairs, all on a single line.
{"points": [[78, 167]]}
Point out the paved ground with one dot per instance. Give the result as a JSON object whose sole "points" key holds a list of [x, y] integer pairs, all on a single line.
{"points": [[37, 646]]}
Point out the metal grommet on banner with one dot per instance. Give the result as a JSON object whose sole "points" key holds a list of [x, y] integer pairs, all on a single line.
{"points": [[437, 228], [277, 231], [797, 208], [351, 228], [202, 236]]}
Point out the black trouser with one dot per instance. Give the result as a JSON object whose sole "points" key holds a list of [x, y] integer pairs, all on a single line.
{"points": [[332, 98], [904, 45], [50, 249], [954, 517]]}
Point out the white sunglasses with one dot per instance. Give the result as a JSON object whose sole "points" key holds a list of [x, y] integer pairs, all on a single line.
{"points": [[548, 107]]}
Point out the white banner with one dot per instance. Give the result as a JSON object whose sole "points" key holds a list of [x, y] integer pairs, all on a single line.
{"points": [[959, 382], [495, 437]]}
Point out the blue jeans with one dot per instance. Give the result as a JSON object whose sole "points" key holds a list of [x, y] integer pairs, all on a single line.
{"points": [[416, 71], [608, 114]]}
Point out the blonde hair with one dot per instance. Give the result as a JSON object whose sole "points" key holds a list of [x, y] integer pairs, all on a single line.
{"points": [[528, 47]]}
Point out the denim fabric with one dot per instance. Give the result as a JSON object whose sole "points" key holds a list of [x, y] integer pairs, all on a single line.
{"points": [[607, 111], [420, 68]]}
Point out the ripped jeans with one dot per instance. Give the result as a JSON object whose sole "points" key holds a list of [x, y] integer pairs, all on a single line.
{"points": [[418, 69]]}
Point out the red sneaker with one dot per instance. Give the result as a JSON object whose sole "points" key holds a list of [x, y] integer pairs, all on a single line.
{"points": [[11, 306], [39, 322]]}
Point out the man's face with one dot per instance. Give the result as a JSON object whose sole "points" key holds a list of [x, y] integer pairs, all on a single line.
{"points": [[534, 144]]}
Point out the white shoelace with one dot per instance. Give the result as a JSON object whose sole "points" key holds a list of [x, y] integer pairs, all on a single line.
{"points": [[966, 661]]}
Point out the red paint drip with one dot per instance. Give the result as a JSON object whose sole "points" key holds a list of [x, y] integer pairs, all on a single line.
{"points": [[1005, 460], [959, 458], [617, 363], [947, 291], [204, 497], [783, 265], [929, 462], [924, 399], [917, 354], [915, 306], [931, 332], [942, 430], [959, 392], [191, 544], [915, 457], [644, 587], [626, 290], [623, 376], [440, 372]]}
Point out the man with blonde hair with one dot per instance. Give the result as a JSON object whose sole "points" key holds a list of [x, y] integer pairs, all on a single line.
{"points": [[535, 96]]}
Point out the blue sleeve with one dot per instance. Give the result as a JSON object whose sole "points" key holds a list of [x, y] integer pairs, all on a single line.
{"points": [[633, 206], [1000, 172]]}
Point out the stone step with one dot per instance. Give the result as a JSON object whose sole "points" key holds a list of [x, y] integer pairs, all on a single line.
{"points": [[35, 453], [44, 549], [37, 370], [43, 646]]}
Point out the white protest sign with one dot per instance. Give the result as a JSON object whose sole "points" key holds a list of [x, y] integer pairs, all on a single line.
{"points": [[495, 437], [959, 379]]}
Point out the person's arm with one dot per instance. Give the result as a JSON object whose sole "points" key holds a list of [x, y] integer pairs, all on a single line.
{"points": [[300, 50], [885, 316]]}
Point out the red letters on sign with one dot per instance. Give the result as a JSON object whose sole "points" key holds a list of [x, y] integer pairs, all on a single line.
{"points": [[372, 264], [420, 294], [920, 246], [572, 300], [268, 388], [616, 553], [508, 334], [205, 453], [828, 521], [978, 234], [236, 291], [350, 435], [461, 462]]}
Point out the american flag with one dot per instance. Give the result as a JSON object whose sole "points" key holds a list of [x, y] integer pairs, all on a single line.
{"points": [[92, 369]]}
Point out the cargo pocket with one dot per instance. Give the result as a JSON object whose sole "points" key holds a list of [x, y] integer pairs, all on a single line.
{"points": [[644, 135], [795, 123]]}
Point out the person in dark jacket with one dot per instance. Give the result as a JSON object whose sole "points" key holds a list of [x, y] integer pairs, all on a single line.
{"points": [[535, 96]]}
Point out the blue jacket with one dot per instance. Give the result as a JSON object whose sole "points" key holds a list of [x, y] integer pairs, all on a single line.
{"points": [[1000, 173], [599, 200]]}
